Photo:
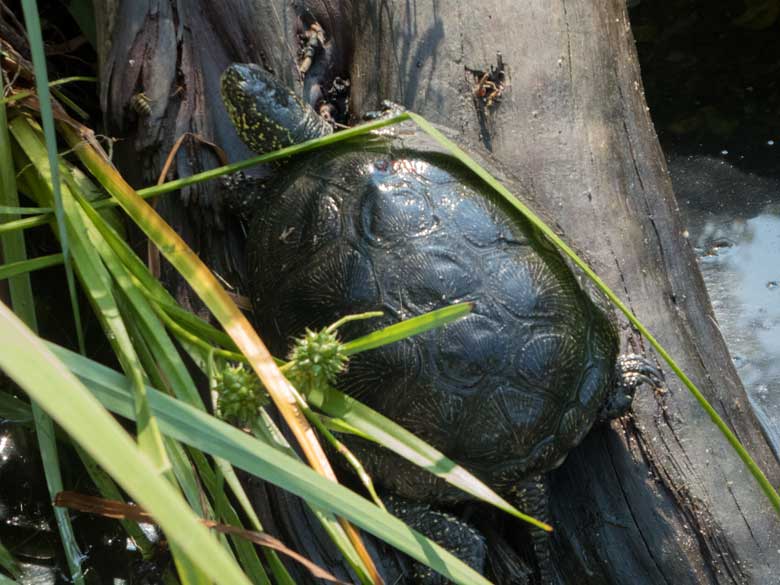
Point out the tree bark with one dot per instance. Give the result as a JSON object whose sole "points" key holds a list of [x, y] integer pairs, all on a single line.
{"points": [[658, 496]]}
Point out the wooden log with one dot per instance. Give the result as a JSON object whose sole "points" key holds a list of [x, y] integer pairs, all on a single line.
{"points": [[658, 497]]}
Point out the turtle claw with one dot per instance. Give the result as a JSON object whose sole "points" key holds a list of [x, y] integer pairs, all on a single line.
{"points": [[631, 371], [634, 370]]}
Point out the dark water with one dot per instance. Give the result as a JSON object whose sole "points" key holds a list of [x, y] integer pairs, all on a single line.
{"points": [[710, 71], [733, 222], [29, 530]]}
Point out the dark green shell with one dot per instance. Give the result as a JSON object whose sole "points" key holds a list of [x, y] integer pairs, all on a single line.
{"points": [[391, 224]]}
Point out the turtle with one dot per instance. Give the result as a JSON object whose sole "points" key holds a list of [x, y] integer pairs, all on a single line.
{"points": [[391, 222]]}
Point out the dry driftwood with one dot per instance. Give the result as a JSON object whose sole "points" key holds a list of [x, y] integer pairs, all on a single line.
{"points": [[658, 497]]}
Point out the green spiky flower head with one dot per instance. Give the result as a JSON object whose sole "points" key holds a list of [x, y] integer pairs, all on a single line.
{"points": [[241, 395], [317, 358]]}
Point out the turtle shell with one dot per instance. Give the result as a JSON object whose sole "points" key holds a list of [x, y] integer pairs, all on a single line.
{"points": [[387, 224]]}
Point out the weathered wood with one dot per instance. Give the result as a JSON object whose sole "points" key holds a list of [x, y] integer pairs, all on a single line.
{"points": [[174, 53], [658, 497]]}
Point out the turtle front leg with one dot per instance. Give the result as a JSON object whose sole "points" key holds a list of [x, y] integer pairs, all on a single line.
{"points": [[242, 192], [631, 371]]}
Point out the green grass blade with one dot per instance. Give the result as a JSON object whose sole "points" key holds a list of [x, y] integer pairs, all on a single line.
{"points": [[202, 431], [281, 154], [409, 327], [394, 437], [86, 248], [187, 572], [19, 412], [181, 469], [337, 535], [11, 210], [28, 362], [8, 562], [13, 245], [175, 185], [245, 551], [85, 245], [24, 266], [162, 356], [159, 357], [121, 260], [198, 326], [374, 426], [466, 160], [267, 431], [26, 223], [33, 25], [109, 490], [52, 84], [214, 296], [47, 443], [14, 410], [92, 193], [278, 570], [24, 304]]}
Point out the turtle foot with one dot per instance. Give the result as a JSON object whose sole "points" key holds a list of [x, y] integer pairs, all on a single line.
{"points": [[532, 499], [631, 371], [458, 537]]}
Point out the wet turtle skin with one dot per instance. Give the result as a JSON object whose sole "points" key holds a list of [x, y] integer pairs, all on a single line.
{"points": [[389, 223]]}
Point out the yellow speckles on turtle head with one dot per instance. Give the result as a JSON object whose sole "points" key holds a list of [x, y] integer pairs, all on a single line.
{"points": [[266, 114]]}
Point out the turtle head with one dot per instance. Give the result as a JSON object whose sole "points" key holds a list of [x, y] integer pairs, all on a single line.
{"points": [[267, 115]]}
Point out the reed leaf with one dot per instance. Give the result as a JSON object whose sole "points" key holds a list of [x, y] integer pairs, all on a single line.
{"points": [[210, 435], [33, 25], [8, 562], [23, 302], [408, 328], [25, 266], [208, 288], [34, 368], [96, 278]]}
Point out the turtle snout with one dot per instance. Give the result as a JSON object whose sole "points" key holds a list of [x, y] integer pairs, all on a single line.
{"points": [[244, 70], [237, 77], [266, 114]]}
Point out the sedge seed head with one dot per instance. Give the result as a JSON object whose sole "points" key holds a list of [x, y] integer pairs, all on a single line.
{"points": [[317, 358], [241, 395]]}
